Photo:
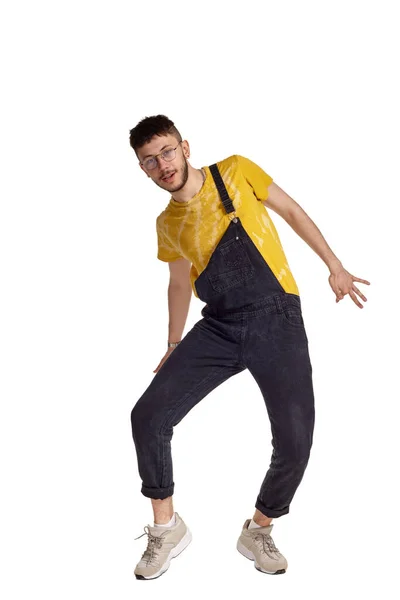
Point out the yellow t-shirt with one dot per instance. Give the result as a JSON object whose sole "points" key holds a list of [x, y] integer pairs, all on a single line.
{"points": [[193, 229]]}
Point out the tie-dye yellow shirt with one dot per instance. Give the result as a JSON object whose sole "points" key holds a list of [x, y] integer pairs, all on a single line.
{"points": [[193, 229]]}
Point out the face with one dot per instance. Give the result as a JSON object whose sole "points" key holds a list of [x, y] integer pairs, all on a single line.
{"points": [[177, 168]]}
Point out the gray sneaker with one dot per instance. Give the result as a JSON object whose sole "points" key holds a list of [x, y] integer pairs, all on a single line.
{"points": [[162, 545], [258, 545]]}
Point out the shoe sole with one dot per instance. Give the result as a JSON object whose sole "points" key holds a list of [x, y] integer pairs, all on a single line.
{"points": [[185, 541], [248, 554]]}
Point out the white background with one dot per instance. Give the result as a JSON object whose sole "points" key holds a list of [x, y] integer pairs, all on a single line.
{"points": [[308, 90]]}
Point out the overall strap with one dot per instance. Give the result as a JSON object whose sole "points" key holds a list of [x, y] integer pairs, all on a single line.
{"points": [[226, 201]]}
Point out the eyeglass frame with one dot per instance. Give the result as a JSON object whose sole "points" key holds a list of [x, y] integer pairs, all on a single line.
{"points": [[160, 154]]}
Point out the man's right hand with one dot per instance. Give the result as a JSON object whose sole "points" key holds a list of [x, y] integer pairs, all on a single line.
{"points": [[164, 358]]}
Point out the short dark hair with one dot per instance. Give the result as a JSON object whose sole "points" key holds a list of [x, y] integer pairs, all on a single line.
{"points": [[148, 127]]}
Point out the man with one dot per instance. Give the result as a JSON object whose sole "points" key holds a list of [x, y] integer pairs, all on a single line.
{"points": [[221, 243]]}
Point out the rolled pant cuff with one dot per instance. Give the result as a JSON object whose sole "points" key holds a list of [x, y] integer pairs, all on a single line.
{"points": [[268, 512], [157, 493]]}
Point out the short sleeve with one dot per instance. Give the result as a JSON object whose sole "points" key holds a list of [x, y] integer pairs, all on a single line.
{"points": [[166, 252], [255, 176]]}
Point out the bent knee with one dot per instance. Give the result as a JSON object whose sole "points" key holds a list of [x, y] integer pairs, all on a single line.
{"points": [[147, 422]]}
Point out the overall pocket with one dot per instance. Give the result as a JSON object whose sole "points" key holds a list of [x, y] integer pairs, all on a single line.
{"points": [[231, 266], [293, 315], [233, 254]]}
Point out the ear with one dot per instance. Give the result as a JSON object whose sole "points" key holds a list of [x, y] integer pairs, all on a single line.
{"points": [[186, 148]]}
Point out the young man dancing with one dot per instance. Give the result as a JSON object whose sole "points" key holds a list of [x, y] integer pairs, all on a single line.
{"points": [[220, 242]]}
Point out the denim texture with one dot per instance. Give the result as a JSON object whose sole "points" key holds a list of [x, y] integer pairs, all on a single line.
{"points": [[269, 340], [248, 322]]}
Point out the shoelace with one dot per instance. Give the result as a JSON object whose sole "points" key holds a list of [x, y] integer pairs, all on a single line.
{"points": [[268, 544], [154, 543]]}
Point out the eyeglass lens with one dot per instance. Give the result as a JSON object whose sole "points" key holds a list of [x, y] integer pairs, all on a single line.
{"points": [[168, 155]]}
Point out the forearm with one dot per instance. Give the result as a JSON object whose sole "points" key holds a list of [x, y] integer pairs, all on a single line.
{"points": [[179, 297], [301, 223]]}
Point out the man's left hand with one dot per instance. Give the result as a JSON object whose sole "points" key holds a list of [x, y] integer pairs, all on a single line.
{"points": [[342, 283]]}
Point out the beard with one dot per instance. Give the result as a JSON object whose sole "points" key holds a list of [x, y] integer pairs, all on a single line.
{"points": [[183, 173]]}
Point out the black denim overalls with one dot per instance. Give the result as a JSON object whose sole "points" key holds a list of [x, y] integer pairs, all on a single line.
{"points": [[249, 322]]}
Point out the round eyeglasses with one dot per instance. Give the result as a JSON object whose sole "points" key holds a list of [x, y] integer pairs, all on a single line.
{"points": [[167, 154]]}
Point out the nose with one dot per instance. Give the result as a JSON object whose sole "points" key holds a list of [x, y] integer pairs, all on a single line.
{"points": [[161, 161]]}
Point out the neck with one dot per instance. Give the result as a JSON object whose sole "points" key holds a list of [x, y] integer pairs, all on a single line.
{"points": [[192, 187]]}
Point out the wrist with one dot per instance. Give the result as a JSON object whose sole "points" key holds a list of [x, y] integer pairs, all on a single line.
{"points": [[173, 344], [335, 265]]}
